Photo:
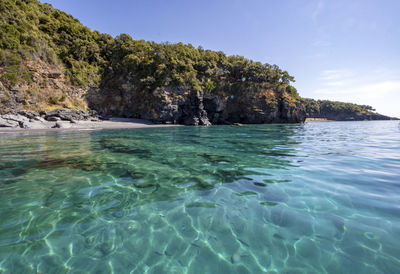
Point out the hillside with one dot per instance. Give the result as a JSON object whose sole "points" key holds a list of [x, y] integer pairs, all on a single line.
{"points": [[49, 60], [339, 111]]}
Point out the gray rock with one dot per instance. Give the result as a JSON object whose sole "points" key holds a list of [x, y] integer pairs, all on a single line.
{"points": [[13, 120], [39, 119], [28, 114], [24, 125], [36, 125], [8, 123], [192, 110], [93, 113], [15, 117], [57, 125], [105, 118], [70, 114], [61, 124], [53, 118]]}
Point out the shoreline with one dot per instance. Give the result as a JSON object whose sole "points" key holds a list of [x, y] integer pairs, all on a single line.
{"points": [[115, 123], [112, 123], [317, 120]]}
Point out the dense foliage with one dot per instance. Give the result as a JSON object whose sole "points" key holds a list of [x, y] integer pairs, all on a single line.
{"points": [[30, 29], [318, 108]]}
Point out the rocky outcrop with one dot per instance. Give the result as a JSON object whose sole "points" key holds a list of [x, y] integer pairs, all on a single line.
{"points": [[10, 120], [40, 120], [254, 108], [71, 115], [46, 88]]}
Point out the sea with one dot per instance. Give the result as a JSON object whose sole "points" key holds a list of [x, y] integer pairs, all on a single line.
{"points": [[319, 197]]}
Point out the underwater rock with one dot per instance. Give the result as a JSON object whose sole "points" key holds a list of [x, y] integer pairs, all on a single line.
{"points": [[235, 258]]}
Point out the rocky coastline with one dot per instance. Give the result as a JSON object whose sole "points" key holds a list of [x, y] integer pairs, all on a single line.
{"points": [[42, 119], [66, 120]]}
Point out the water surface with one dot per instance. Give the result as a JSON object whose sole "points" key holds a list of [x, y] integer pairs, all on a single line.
{"points": [[314, 198]]}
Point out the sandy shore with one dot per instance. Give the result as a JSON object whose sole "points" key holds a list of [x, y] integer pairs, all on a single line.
{"points": [[113, 123], [317, 120]]}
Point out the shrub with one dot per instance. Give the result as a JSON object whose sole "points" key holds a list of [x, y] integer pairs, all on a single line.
{"points": [[210, 85], [292, 91]]}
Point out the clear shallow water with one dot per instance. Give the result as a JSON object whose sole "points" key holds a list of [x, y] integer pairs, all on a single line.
{"points": [[314, 198]]}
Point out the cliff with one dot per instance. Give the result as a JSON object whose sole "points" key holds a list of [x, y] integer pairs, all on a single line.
{"points": [[195, 107]]}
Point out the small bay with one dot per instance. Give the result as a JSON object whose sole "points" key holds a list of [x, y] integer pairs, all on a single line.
{"points": [[318, 197]]}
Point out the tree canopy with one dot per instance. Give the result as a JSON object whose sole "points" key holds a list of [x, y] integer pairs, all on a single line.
{"points": [[318, 108], [30, 29]]}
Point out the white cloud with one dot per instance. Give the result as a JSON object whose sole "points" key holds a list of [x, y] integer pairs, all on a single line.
{"points": [[336, 83], [369, 90], [335, 74], [379, 88]]}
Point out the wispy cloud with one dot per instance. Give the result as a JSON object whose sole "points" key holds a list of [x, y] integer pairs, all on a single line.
{"points": [[335, 74], [320, 47], [366, 90], [379, 88], [336, 83], [317, 10], [320, 42]]}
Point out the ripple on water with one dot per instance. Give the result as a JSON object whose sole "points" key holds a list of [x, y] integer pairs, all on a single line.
{"points": [[313, 198]]}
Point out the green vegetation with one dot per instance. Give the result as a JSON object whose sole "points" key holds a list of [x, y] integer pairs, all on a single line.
{"points": [[55, 100], [29, 30], [320, 108], [32, 30]]}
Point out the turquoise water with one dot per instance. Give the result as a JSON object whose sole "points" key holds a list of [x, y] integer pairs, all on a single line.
{"points": [[313, 198]]}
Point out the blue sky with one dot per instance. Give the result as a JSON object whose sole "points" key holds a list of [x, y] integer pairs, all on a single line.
{"points": [[336, 49]]}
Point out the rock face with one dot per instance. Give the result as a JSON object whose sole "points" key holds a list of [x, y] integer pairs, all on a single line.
{"points": [[11, 120], [254, 108], [192, 107], [35, 120], [69, 115], [47, 87]]}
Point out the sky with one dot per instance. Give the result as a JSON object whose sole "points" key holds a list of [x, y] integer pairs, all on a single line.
{"points": [[336, 49]]}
